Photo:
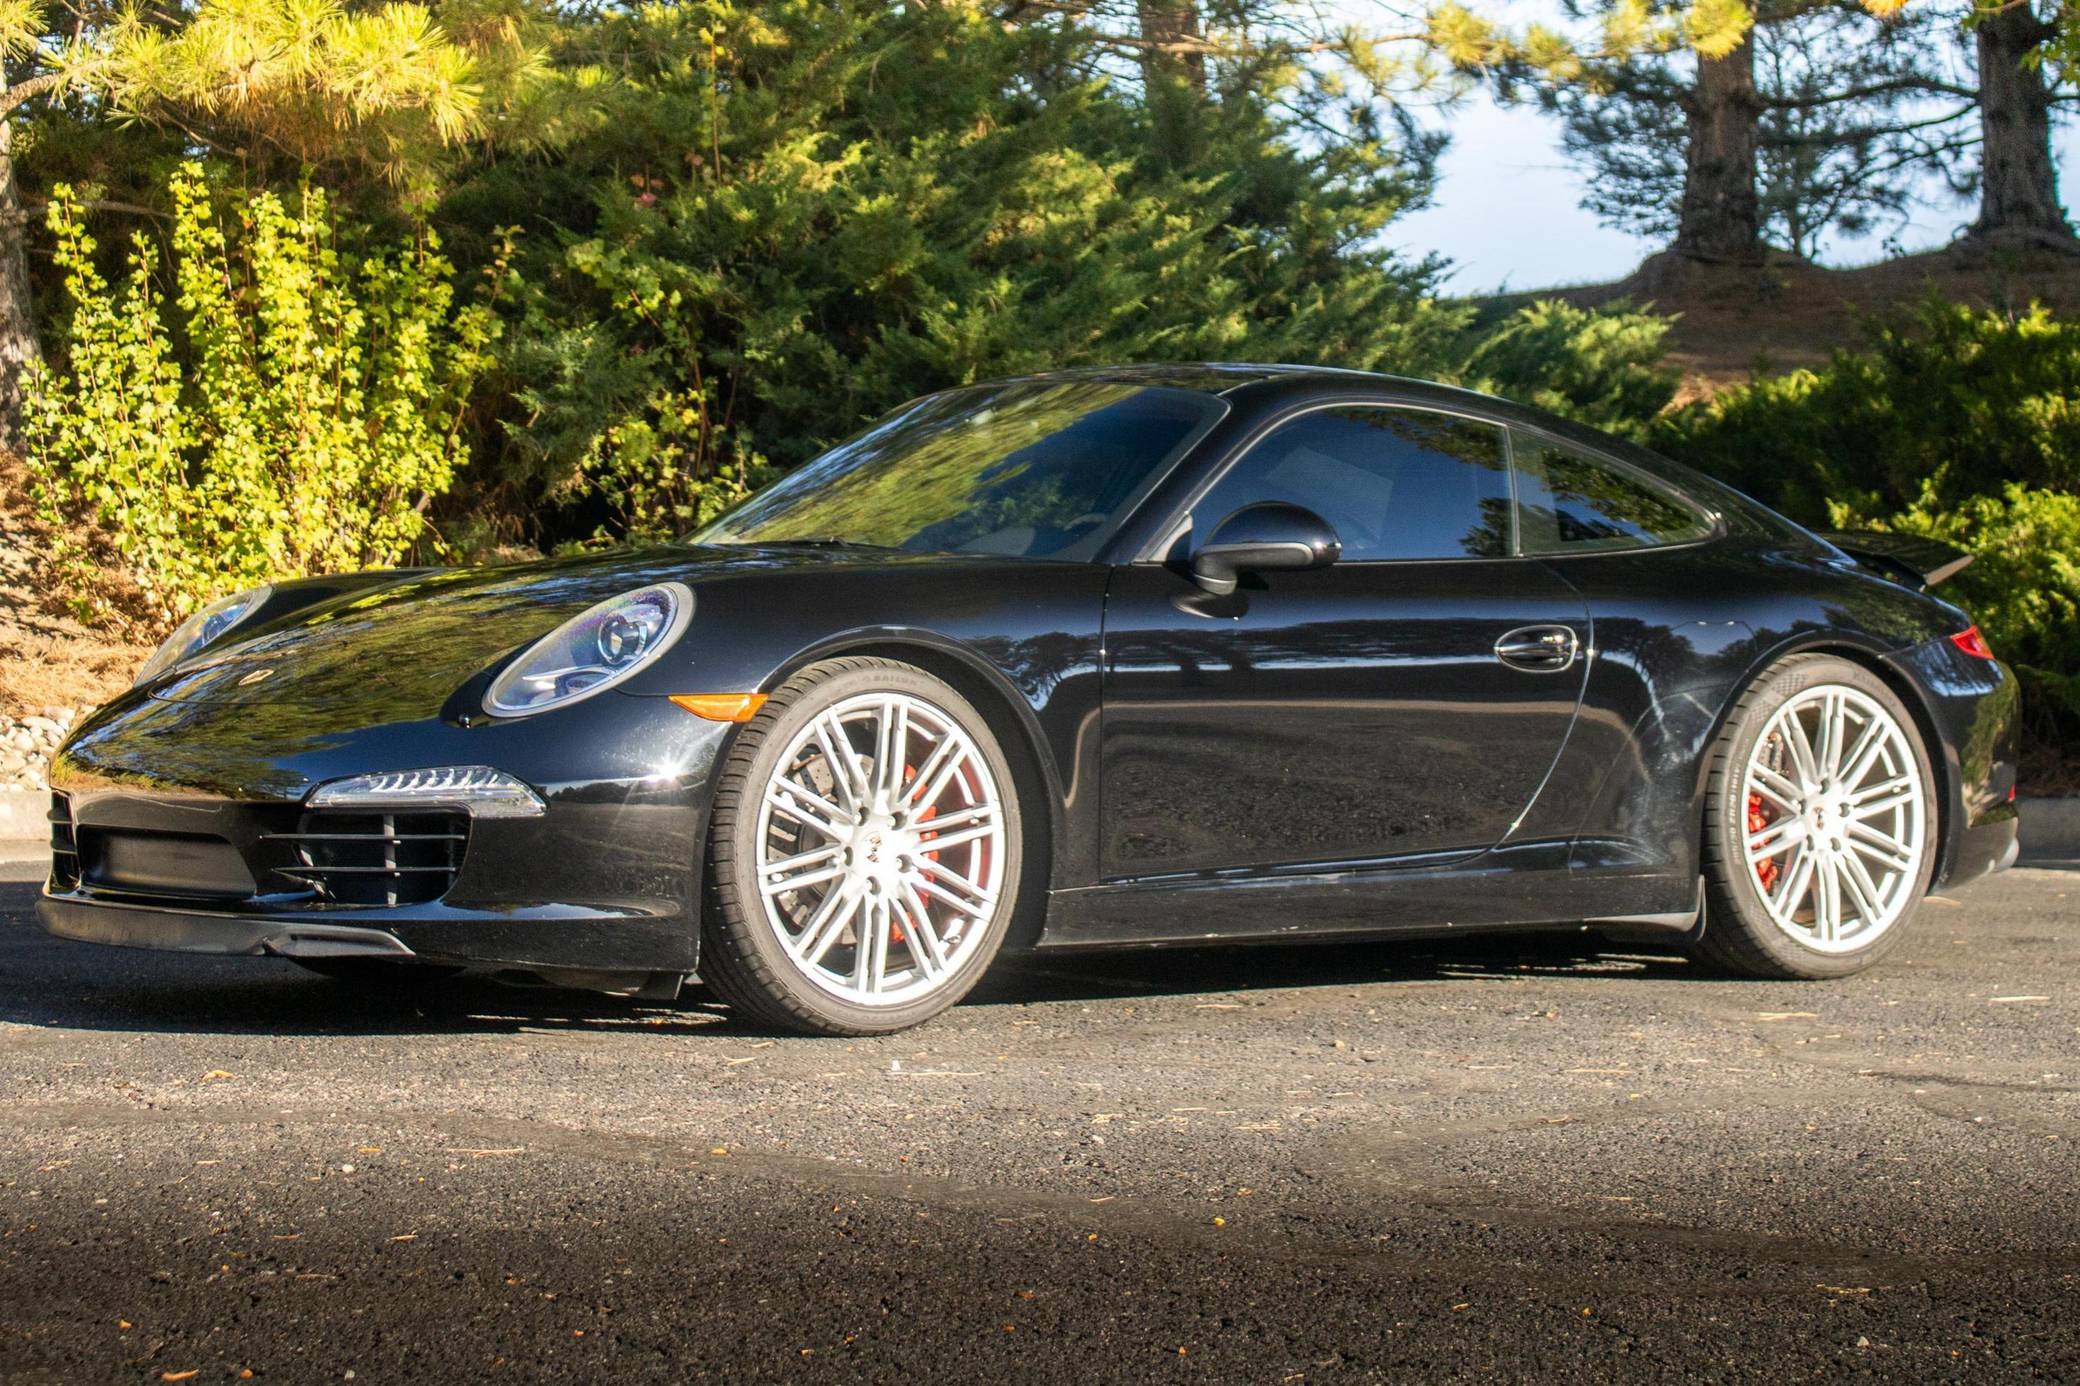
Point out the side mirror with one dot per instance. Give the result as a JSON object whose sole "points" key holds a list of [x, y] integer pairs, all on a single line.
{"points": [[1261, 538]]}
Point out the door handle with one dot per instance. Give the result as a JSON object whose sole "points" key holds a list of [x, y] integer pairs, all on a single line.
{"points": [[1538, 649]]}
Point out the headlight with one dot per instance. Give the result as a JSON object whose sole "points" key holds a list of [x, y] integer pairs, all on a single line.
{"points": [[202, 629], [593, 651]]}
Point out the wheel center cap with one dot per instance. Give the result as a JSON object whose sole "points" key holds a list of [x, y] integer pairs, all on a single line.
{"points": [[879, 849]]}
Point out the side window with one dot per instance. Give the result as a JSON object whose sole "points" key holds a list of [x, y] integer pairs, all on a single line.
{"points": [[1570, 502], [1394, 483]]}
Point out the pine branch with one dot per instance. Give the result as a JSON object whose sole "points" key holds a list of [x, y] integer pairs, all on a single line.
{"points": [[23, 92], [1898, 86]]}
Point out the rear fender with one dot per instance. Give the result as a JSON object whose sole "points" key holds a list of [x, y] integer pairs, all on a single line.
{"points": [[1648, 808]]}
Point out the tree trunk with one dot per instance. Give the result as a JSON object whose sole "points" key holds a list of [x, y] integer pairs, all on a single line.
{"points": [[18, 345], [2018, 182], [1173, 76], [1721, 219], [1170, 35]]}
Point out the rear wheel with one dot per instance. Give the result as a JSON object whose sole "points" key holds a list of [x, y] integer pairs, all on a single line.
{"points": [[1819, 835], [865, 854]]}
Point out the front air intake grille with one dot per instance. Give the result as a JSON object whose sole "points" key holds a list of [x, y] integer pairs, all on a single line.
{"points": [[371, 858], [64, 846]]}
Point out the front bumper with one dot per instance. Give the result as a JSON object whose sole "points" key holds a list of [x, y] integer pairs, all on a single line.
{"points": [[567, 938], [185, 847]]}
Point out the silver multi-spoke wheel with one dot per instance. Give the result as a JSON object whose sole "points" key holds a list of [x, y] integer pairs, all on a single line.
{"points": [[1835, 818], [880, 847]]}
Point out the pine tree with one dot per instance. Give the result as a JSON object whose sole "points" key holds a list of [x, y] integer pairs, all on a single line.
{"points": [[1844, 116], [786, 220], [2017, 45], [1818, 119], [1718, 218], [301, 83]]}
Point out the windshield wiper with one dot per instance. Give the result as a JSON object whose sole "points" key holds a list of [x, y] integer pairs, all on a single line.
{"points": [[826, 541]]}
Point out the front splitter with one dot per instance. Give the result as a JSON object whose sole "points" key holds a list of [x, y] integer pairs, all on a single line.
{"points": [[197, 931]]}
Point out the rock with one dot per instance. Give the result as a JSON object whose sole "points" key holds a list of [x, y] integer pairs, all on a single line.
{"points": [[29, 742]]}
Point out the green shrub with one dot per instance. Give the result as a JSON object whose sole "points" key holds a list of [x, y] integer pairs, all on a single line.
{"points": [[2023, 587], [764, 226], [1945, 403], [782, 221], [1599, 366], [316, 421], [1955, 423]]}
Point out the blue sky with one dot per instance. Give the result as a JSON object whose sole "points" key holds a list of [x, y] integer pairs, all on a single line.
{"points": [[1507, 211]]}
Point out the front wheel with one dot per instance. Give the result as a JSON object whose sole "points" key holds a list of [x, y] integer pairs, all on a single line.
{"points": [[865, 853], [1820, 824]]}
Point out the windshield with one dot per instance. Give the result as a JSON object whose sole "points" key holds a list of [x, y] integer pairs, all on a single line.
{"points": [[1033, 469]]}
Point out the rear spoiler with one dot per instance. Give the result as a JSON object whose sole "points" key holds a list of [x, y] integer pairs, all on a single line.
{"points": [[1920, 562]]}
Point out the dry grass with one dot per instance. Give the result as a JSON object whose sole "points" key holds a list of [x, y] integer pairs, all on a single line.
{"points": [[34, 676], [2047, 774], [48, 658]]}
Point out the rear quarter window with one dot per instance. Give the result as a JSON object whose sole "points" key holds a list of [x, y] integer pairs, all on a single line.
{"points": [[1569, 502]]}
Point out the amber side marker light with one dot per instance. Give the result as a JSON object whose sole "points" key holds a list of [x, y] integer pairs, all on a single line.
{"points": [[1972, 643], [722, 707]]}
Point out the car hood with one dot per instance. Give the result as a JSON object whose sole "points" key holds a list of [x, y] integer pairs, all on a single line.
{"points": [[407, 645]]}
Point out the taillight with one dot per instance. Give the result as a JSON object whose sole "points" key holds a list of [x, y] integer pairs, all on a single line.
{"points": [[1972, 643]]}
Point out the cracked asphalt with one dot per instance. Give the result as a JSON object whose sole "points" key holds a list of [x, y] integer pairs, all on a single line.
{"points": [[1533, 1158]]}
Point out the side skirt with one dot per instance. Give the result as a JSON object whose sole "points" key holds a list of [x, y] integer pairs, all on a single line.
{"points": [[1528, 887]]}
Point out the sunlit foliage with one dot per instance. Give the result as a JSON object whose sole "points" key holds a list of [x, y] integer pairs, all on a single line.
{"points": [[294, 410]]}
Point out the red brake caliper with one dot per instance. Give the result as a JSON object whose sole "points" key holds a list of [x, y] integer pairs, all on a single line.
{"points": [[974, 786], [1760, 817], [895, 930]]}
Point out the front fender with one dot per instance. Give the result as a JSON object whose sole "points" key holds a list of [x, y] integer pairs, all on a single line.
{"points": [[1022, 643]]}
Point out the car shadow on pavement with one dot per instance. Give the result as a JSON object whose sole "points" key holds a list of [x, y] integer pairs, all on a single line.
{"points": [[172, 994], [1372, 962], [56, 983]]}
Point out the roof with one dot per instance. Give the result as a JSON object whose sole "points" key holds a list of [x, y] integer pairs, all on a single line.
{"points": [[1229, 377], [1271, 387]]}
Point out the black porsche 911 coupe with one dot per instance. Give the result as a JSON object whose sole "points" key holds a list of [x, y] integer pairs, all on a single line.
{"points": [[1106, 658]]}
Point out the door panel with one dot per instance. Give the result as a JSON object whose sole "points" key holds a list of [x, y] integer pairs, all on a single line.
{"points": [[1348, 715]]}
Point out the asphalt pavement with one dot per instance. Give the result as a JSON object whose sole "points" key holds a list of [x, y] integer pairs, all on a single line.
{"points": [[1546, 1159]]}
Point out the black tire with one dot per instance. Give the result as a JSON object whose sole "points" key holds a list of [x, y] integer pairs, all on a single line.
{"points": [[742, 959], [1739, 934], [379, 974]]}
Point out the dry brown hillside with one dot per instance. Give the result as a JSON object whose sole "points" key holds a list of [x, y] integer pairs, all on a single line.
{"points": [[1790, 313]]}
